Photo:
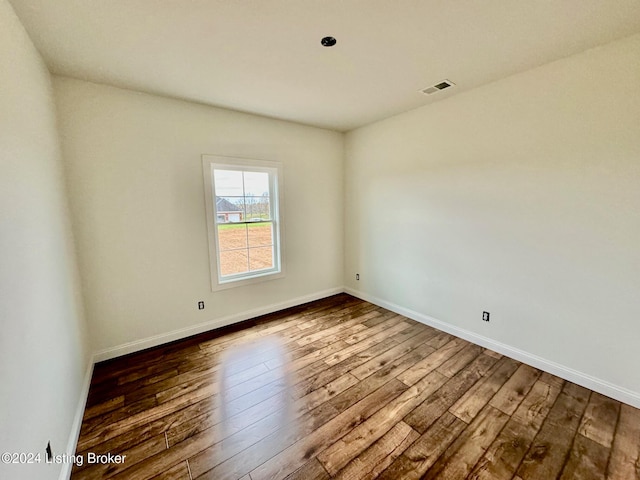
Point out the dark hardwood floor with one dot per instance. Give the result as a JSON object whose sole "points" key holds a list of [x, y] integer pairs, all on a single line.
{"points": [[340, 388]]}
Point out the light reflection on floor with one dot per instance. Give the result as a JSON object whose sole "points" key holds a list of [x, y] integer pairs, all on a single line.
{"points": [[260, 368]]}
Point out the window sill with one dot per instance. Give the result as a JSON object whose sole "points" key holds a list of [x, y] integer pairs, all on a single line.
{"points": [[217, 285]]}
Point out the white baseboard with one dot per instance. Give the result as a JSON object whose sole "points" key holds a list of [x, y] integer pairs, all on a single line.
{"points": [[181, 333], [74, 434], [601, 386]]}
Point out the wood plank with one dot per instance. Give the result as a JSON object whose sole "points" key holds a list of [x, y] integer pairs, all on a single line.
{"points": [[587, 460], [136, 454], [94, 425], [507, 451], [505, 454], [536, 406], [284, 451], [599, 420], [109, 431], [385, 314], [375, 381], [190, 427], [379, 455], [460, 360], [267, 428], [289, 459], [289, 337], [360, 438], [552, 380], [308, 325], [424, 452], [550, 447], [474, 400], [410, 332], [316, 320], [390, 322], [258, 410], [151, 390], [515, 389], [344, 332], [232, 435], [308, 359], [154, 363], [291, 383], [625, 451], [569, 407], [309, 422], [412, 375], [329, 374], [305, 381], [312, 470], [349, 327], [439, 340], [547, 454], [148, 430], [366, 342], [434, 406], [204, 441], [328, 391], [391, 457], [296, 353], [491, 353], [250, 379], [179, 472], [458, 460], [400, 350], [104, 407], [190, 367]]}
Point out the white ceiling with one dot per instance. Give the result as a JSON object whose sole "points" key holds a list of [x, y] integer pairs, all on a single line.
{"points": [[265, 57]]}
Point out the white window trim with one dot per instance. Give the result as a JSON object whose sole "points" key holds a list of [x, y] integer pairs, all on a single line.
{"points": [[208, 164]]}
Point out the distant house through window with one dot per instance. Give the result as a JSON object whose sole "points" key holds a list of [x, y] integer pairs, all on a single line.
{"points": [[243, 220], [227, 211]]}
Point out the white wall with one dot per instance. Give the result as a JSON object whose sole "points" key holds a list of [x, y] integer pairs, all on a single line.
{"points": [[136, 188], [521, 198], [43, 344]]}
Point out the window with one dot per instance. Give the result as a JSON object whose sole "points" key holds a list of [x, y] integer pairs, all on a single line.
{"points": [[243, 220]]}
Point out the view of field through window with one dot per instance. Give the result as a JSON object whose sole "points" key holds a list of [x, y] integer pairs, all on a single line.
{"points": [[244, 224]]}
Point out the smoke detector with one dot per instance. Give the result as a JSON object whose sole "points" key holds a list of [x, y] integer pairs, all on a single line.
{"points": [[438, 87]]}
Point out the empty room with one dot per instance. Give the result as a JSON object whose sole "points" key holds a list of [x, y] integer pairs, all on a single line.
{"points": [[339, 239]]}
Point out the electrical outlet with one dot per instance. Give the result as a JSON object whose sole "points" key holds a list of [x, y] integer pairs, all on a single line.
{"points": [[485, 316], [200, 305], [357, 276]]}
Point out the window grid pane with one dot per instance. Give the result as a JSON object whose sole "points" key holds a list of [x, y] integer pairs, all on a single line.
{"points": [[259, 235], [230, 209], [228, 182], [260, 258], [234, 262], [232, 237]]}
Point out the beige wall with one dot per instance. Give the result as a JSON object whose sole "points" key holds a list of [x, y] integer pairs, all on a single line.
{"points": [[44, 351], [521, 198], [136, 188]]}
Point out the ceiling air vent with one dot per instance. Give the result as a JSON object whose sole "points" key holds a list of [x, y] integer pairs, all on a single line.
{"points": [[437, 87]]}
